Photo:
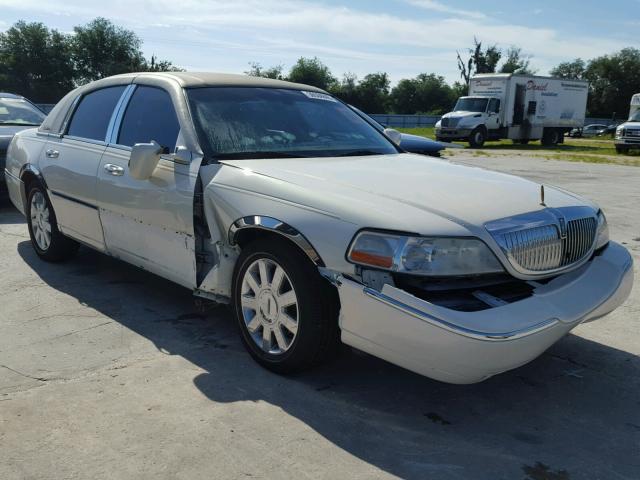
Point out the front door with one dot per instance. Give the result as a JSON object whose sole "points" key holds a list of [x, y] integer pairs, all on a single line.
{"points": [[149, 222], [70, 165]]}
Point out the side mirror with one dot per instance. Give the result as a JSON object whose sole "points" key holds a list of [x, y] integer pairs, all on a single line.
{"points": [[144, 159], [393, 135]]}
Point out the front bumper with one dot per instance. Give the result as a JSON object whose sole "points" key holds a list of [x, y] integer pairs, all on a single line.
{"points": [[451, 133], [628, 142], [467, 347]]}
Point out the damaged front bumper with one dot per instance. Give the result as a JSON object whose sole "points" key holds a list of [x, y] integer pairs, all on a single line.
{"points": [[467, 347]]}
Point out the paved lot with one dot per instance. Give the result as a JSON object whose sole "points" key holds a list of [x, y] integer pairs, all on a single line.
{"points": [[108, 372]]}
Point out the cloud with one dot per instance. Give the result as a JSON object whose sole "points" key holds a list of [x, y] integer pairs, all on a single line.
{"points": [[217, 34], [442, 8]]}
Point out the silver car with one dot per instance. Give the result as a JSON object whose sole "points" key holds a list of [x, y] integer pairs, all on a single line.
{"points": [[279, 199]]}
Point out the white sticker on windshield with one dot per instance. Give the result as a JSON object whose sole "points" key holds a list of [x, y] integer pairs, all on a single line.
{"points": [[319, 96]]}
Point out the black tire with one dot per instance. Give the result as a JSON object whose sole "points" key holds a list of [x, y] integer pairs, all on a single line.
{"points": [[550, 137], [622, 150], [317, 308], [478, 137], [59, 247]]}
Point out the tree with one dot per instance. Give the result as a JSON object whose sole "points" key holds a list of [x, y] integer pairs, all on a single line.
{"points": [[613, 79], [257, 70], [155, 65], [574, 69], [100, 49], [427, 93], [372, 93], [347, 89], [479, 61], [34, 62], [311, 71], [516, 62]]}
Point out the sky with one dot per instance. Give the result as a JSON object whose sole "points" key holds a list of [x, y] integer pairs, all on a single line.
{"points": [[400, 37]]}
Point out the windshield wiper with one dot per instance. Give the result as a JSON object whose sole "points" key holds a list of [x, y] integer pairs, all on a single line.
{"points": [[257, 154], [359, 153], [20, 124]]}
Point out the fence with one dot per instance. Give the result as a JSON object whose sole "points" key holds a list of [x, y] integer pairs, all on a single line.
{"points": [[413, 121], [400, 121]]}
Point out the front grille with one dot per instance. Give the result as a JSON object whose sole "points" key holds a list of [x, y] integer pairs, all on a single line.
{"points": [[632, 132], [542, 247], [450, 121]]}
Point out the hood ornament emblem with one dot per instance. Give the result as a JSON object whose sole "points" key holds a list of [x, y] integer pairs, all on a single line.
{"points": [[542, 196]]}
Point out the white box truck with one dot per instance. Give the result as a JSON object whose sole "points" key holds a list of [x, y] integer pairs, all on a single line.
{"points": [[519, 107], [628, 134]]}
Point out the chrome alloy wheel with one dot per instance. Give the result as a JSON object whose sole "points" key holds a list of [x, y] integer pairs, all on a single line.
{"points": [[40, 224], [269, 306]]}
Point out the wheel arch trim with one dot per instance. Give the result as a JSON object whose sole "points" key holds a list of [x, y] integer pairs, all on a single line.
{"points": [[270, 224], [29, 169]]}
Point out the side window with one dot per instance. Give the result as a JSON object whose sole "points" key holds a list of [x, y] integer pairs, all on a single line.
{"points": [[149, 116], [494, 105], [91, 117]]}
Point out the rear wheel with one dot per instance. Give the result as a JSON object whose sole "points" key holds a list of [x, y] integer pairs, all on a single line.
{"points": [[286, 312], [550, 137], [47, 241], [478, 137]]}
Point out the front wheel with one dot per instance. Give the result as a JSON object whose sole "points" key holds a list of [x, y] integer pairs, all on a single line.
{"points": [[286, 312], [622, 150], [47, 241], [477, 137]]}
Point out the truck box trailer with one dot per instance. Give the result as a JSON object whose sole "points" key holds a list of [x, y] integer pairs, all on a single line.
{"points": [[515, 106]]}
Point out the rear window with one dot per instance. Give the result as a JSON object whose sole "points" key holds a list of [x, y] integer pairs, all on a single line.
{"points": [[91, 118]]}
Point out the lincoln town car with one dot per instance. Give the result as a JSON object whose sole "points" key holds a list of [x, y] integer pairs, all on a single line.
{"points": [[316, 228]]}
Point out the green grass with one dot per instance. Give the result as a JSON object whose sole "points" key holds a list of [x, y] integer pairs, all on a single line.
{"points": [[591, 150]]}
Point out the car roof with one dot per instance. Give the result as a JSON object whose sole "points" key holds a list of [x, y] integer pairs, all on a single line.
{"points": [[9, 95], [212, 79]]}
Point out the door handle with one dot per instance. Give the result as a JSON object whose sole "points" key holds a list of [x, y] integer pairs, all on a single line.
{"points": [[115, 170], [51, 153]]}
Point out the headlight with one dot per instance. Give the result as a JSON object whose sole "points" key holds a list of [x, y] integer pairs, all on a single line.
{"points": [[620, 132], [603, 231], [431, 256]]}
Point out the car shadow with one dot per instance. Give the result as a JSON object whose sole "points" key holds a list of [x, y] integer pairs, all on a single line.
{"points": [[572, 413]]}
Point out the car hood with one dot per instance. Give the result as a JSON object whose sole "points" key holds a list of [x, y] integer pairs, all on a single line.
{"points": [[402, 191], [461, 114], [630, 125]]}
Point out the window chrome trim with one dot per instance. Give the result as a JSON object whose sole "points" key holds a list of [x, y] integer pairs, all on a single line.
{"points": [[118, 112]]}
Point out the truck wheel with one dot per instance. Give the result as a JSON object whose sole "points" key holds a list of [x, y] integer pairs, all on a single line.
{"points": [[622, 150], [477, 137], [287, 313], [550, 137], [47, 241]]}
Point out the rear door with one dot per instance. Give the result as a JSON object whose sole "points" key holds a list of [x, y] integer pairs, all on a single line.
{"points": [[149, 222], [70, 165]]}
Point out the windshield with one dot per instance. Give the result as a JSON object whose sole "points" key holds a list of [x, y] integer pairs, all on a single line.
{"points": [[471, 104], [237, 122], [635, 117], [17, 111]]}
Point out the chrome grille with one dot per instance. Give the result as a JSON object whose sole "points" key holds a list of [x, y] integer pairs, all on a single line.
{"points": [[537, 245]]}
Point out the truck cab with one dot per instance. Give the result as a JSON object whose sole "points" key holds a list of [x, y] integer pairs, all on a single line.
{"points": [[628, 134], [473, 118]]}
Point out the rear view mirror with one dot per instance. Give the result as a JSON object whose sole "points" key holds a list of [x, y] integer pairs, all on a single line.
{"points": [[144, 159], [393, 135]]}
